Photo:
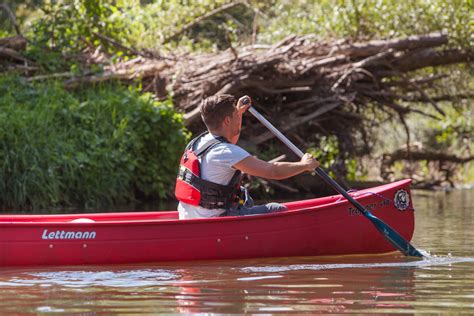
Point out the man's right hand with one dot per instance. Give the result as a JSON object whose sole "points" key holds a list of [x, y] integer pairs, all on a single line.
{"points": [[243, 104], [310, 162]]}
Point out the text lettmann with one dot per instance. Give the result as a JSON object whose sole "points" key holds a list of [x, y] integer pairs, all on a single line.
{"points": [[61, 234]]}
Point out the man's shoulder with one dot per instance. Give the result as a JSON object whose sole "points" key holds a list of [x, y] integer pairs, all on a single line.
{"points": [[210, 138], [228, 149]]}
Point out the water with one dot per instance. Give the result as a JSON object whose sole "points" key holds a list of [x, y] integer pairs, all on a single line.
{"points": [[442, 282]]}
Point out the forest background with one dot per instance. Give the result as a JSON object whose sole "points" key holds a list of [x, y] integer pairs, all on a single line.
{"points": [[97, 98]]}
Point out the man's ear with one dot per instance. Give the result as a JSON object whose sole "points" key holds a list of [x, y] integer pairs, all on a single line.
{"points": [[226, 121]]}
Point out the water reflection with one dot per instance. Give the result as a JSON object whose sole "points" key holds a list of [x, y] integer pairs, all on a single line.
{"points": [[444, 222], [392, 284], [380, 284]]}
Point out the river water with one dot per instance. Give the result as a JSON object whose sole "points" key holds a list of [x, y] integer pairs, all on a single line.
{"points": [[442, 282]]}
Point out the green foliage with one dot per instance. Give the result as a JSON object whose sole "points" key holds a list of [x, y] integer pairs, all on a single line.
{"points": [[370, 19], [352, 169], [153, 24], [6, 24], [67, 27], [102, 146], [455, 131], [329, 154], [327, 151]]}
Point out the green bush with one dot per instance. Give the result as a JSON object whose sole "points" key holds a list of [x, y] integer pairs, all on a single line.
{"points": [[329, 153], [99, 147], [369, 19], [67, 28]]}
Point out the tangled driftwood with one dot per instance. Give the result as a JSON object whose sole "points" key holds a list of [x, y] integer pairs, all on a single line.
{"points": [[299, 76], [307, 87]]}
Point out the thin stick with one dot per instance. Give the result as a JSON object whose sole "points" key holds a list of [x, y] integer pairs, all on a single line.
{"points": [[12, 17]]}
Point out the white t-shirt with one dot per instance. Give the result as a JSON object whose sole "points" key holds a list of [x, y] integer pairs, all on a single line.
{"points": [[216, 166]]}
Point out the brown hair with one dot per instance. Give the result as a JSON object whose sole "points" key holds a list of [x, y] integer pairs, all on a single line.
{"points": [[214, 109]]}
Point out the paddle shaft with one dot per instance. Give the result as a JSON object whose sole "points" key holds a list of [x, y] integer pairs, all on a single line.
{"points": [[300, 154], [391, 235]]}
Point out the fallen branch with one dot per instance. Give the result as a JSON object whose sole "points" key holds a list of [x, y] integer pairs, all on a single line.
{"points": [[12, 54], [146, 54], [374, 47], [404, 154], [441, 166], [51, 76], [17, 43], [142, 71], [432, 58]]}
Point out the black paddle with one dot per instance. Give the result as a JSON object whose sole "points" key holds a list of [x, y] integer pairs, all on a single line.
{"points": [[390, 234]]}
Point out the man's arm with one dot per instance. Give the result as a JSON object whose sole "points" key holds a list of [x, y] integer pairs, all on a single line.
{"points": [[276, 170]]}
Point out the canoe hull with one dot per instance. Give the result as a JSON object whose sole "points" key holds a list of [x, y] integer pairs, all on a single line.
{"points": [[317, 227]]}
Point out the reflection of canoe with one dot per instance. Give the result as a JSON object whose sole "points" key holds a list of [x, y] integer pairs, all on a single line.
{"points": [[316, 227]]}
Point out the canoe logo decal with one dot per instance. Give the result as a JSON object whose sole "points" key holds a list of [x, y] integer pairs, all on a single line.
{"points": [[401, 200], [61, 234]]}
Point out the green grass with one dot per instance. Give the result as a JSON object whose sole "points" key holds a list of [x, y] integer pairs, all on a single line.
{"points": [[102, 146]]}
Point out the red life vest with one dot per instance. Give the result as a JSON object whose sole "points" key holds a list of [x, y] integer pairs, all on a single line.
{"points": [[192, 189]]}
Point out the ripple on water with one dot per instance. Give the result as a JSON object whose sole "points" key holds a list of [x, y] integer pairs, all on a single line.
{"points": [[80, 279], [425, 262]]}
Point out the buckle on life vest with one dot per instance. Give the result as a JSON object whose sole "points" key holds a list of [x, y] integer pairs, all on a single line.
{"points": [[240, 197], [184, 174], [181, 172]]}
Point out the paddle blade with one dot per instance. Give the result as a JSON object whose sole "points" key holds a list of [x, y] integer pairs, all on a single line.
{"points": [[393, 237]]}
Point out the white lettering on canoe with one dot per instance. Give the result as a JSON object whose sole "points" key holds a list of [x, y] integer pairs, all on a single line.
{"points": [[61, 234]]}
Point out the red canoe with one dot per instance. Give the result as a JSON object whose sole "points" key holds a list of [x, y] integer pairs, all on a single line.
{"points": [[317, 227]]}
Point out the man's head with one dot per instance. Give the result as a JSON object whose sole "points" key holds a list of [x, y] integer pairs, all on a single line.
{"points": [[215, 109], [221, 116]]}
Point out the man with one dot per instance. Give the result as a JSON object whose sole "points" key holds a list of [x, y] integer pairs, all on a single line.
{"points": [[208, 183]]}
